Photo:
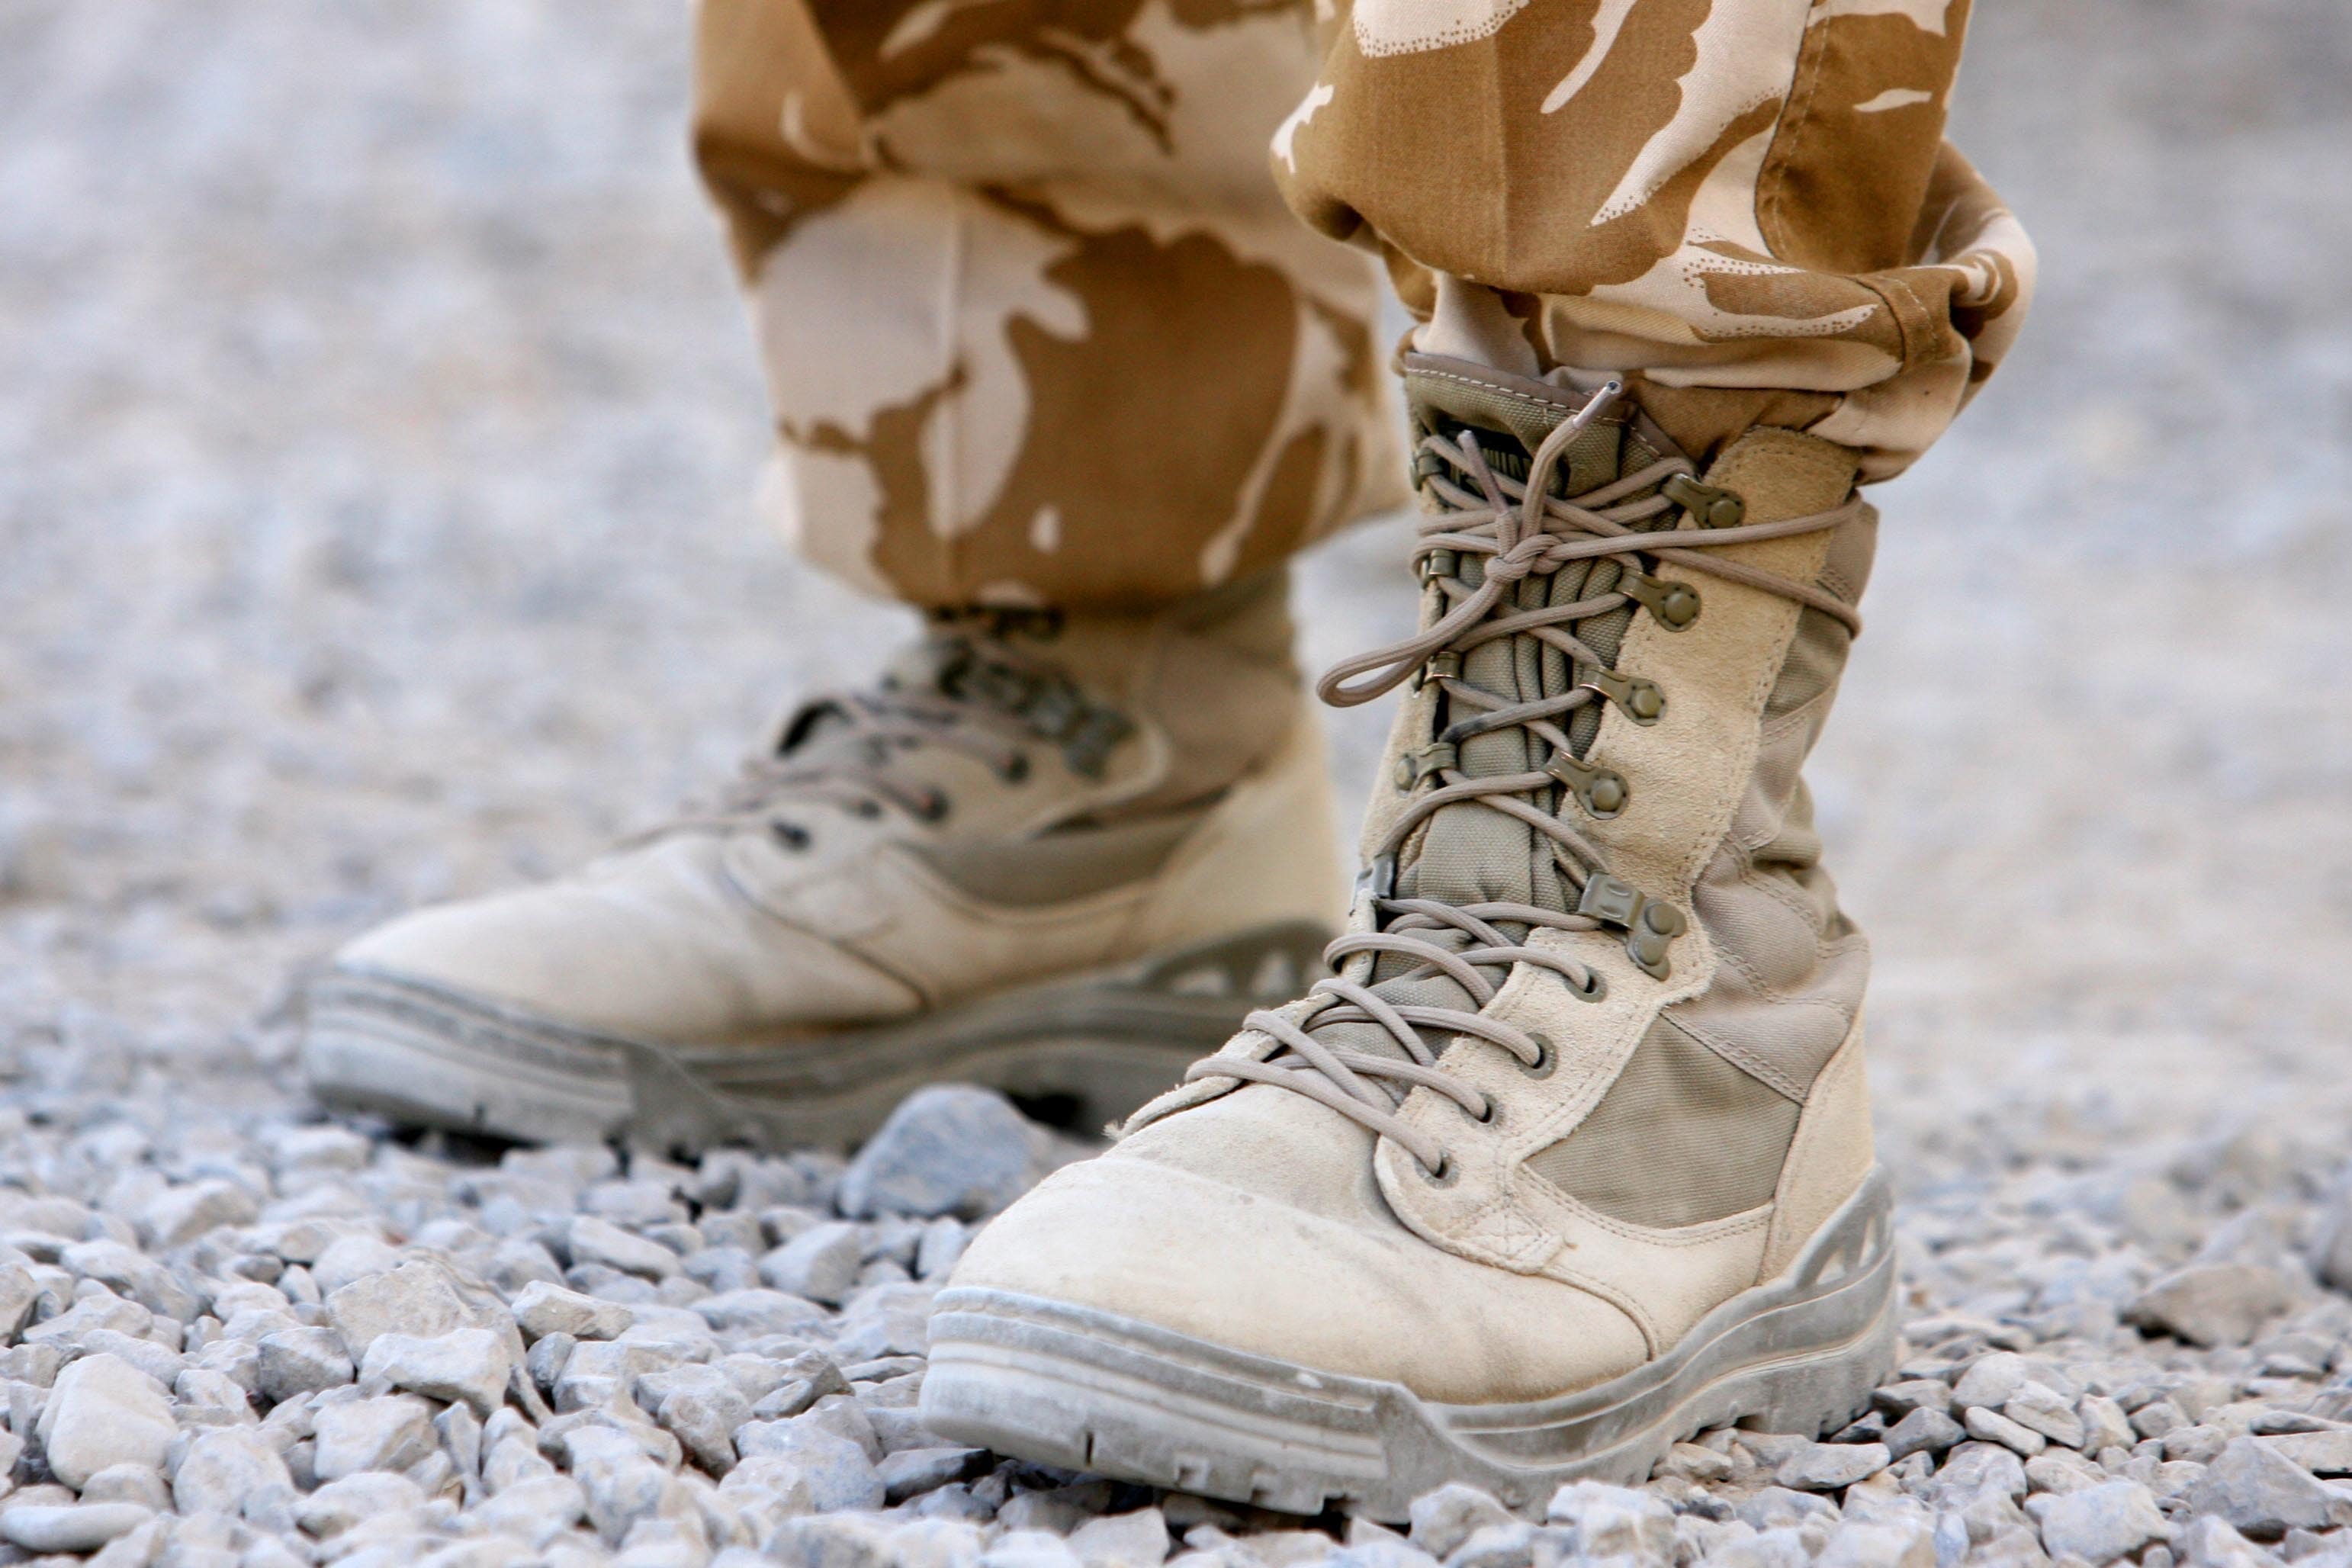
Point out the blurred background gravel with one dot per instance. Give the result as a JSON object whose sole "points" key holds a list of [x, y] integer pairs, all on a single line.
{"points": [[377, 443]]}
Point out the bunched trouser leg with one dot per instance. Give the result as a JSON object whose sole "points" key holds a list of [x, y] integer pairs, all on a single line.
{"points": [[1745, 207], [1038, 328]]}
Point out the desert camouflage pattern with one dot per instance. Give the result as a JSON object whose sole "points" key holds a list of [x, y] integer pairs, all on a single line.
{"points": [[1041, 330], [1747, 207]]}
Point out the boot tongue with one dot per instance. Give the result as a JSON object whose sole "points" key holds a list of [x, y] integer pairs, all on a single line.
{"points": [[1469, 853]]}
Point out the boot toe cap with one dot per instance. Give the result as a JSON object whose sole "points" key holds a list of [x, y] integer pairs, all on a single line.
{"points": [[1358, 1296]]}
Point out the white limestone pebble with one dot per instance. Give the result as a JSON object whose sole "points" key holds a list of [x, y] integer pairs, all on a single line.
{"points": [[2262, 1494], [534, 1511], [541, 1308], [70, 1527], [2212, 1303], [1832, 1466], [417, 1297], [345, 1501], [947, 1150], [2101, 1523], [298, 1360], [819, 1263], [1923, 1430], [181, 1213], [835, 1470], [233, 1471], [389, 1432], [103, 1412], [467, 1365], [1445, 1519], [1992, 1426], [594, 1240], [1134, 1540]]}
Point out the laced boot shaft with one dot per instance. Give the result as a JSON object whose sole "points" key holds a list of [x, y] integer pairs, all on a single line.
{"points": [[1533, 561], [1015, 691]]}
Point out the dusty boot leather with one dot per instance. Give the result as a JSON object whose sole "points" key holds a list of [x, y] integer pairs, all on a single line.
{"points": [[1059, 855], [1571, 1157]]}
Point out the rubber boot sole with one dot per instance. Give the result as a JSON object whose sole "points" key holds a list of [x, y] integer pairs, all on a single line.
{"points": [[1090, 1390], [1093, 1047]]}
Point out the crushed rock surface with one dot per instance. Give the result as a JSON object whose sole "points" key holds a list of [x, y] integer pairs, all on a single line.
{"points": [[375, 434]]}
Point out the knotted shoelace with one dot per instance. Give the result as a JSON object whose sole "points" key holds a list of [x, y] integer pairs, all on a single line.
{"points": [[1517, 530]]}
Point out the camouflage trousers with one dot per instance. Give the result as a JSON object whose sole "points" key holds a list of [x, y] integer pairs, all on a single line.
{"points": [[1043, 326]]}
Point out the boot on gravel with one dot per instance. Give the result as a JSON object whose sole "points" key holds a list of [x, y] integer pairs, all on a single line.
{"points": [[1059, 855], [1571, 1157]]}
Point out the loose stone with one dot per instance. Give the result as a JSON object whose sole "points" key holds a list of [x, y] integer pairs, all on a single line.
{"points": [[911, 1470], [541, 1309], [819, 1263], [1445, 1519], [1925, 1430], [142, 1484], [2326, 1453], [467, 1365], [390, 1432], [835, 1469], [103, 1412], [2262, 1495], [2101, 1523], [295, 1361], [2039, 1409], [70, 1527], [534, 1510], [350, 1259], [1615, 1522], [344, 1501], [1992, 1380], [1832, 1466], [1137, 1539], [1992, 1426], [417, 1297], [183, 1214], [233, 1471], [947, 1150], [2212, 1303], [594, 1240]]}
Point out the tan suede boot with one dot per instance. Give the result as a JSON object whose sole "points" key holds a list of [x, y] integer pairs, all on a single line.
{"points": [[1062, 855], [1572, 1159]]}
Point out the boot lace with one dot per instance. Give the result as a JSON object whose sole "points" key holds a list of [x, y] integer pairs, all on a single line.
{"points": [[1513, 530], [968, 693]]}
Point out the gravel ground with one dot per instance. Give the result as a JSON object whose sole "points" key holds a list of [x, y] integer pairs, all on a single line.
{"points": [[376, 439]]}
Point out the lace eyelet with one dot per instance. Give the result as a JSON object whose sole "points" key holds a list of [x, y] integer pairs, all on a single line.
{"points": [[1490, 1117], [791, 835], [1016, 771], [866, 809], [1595, 987], [1547, 1058], [1444, 1175], [934, 807]]}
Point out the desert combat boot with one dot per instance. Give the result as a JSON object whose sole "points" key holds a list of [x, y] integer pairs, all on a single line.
{"points": [[1570, 1158], [1062, 855]]}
